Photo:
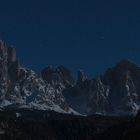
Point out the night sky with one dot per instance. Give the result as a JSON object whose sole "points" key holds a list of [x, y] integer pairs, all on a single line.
{"points": [[80, 34]]}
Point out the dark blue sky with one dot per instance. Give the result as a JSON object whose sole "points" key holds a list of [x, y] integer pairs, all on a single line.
{"points": [[79, 34]]}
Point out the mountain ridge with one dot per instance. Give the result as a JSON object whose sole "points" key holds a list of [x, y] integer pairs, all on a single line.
{"points": [[116, 92]]}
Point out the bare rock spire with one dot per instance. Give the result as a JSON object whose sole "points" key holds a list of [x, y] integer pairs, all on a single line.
{"points": [[12, 54], [81, 76]]}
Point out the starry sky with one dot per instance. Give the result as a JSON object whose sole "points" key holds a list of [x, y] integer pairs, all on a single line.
{"points": [[80, 34]]}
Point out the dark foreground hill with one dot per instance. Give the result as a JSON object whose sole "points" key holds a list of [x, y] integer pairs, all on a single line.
{"points": [[42, 125], [124, 131]]}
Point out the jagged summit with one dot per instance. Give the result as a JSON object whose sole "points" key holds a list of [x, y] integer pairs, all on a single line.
{"points": [[116, 92], [81, 76], [125, 61], [59, 76], [24, 88], [7, 53], [126, 64]]}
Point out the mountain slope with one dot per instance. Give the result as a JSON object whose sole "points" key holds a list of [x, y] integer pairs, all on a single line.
{"points": [[117, 92], [23, 88]]}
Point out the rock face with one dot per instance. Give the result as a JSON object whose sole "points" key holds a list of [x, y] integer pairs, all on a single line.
{"points": [[59, 76], [89, 97], [23, 88], [12, 54], [81, 77], [124, 83], [117, 92]]}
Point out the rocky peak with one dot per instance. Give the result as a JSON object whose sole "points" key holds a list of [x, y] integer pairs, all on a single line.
{"points": [[10, 66], [57, 75], [14, 70], [7, 53], [12, 54], [125, 62], [47, 71], [23, 87], [3, 50], [121, 72], [66, 74], [81, 77], [125, 65]]}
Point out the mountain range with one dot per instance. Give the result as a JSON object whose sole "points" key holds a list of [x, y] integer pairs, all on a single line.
{"points": [[116, 92]]}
